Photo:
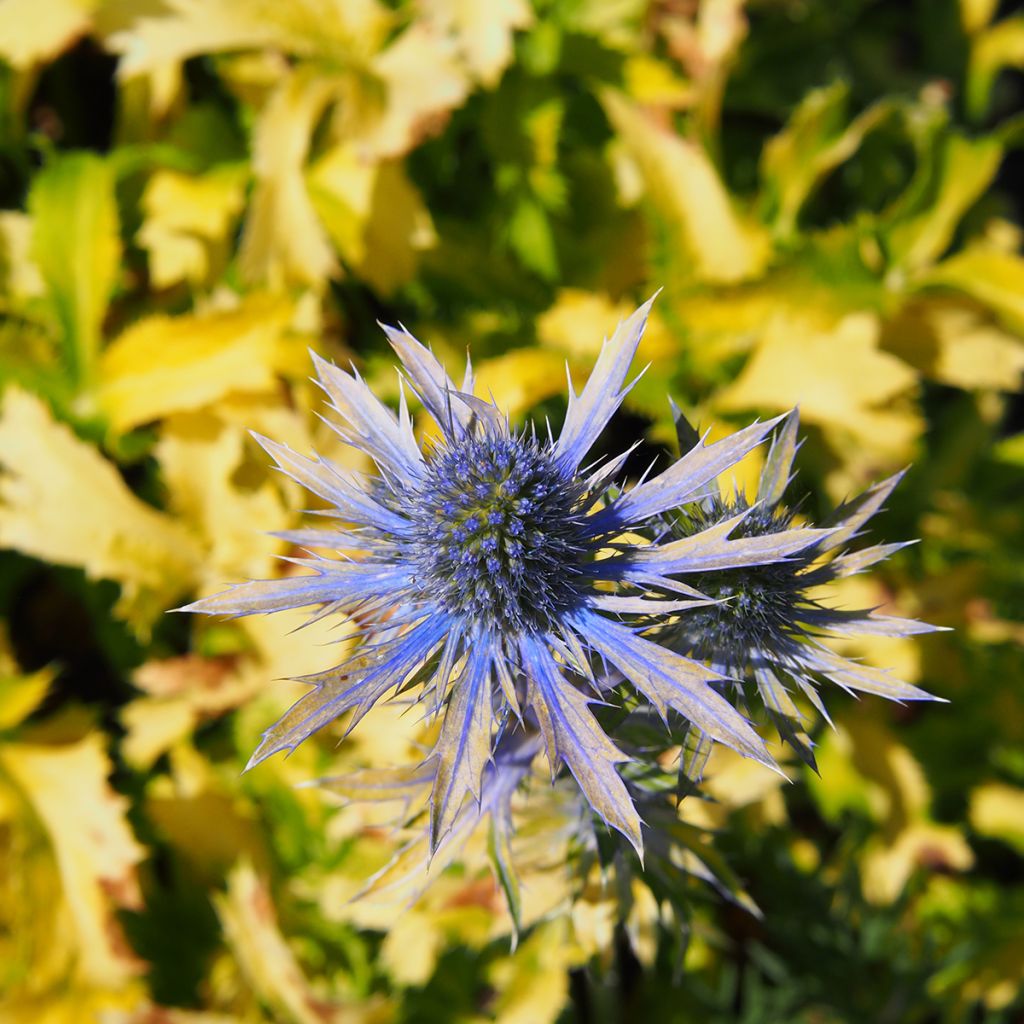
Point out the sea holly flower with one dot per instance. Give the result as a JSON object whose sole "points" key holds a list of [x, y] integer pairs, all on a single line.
{"points": [[770, 625], [494, 569]]}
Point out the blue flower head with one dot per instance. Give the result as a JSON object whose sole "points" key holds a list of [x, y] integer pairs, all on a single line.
{"points": [[496, 571], [768, 628]]}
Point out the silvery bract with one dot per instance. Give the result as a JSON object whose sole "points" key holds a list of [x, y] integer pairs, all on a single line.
{"points": [[498, 572], [769, 625]]}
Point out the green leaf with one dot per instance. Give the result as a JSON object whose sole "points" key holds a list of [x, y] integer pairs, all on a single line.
{"points": [[77, 249]]}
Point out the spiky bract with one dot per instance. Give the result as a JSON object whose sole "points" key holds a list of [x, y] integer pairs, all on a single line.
{"points": [[770, 624], [492, 571]]}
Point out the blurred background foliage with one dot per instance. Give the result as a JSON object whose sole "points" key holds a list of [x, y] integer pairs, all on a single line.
{"points": [[194, 192]]}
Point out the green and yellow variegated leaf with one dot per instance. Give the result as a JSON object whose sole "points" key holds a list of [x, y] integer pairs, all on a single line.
{"points": [[76, 246]]}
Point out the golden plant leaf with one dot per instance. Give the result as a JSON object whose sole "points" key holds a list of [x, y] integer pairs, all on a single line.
{"points": [[188, 220], [163, 365], [997, 811], [32, 33], [283, 240], [422, 81], [683, 186], [483, 32], [95, 850], [267, 962], [993, 277], [839, 378], [61, 501]]}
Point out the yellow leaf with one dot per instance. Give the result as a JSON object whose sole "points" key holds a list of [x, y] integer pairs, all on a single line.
{"points": [[976, 14], [268, 963], [283, 240], [993, 48], [997, 810], [966, 168], [952, 341], [533, 982], [994, 278], [176, 30], [21, 695], [62, 502], [398, 229], [188, 220], [203, 461], [579, 321], [684, 187], [653, 83], [152, 727], [95, 850], [163, 365], [838, 377], [483, 32], [520, 379], [422, 82], [18, 271], [885, 868], [814, 142], [32, 32], [341, 188]]}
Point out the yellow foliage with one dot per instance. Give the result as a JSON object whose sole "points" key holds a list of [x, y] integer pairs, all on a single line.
{"points": [[268, 964], [163, 365], [66, 787], [683, 185], [112, 535], [840, 379], [483, 32], [188, 222], [31, 33], [997, 810]]}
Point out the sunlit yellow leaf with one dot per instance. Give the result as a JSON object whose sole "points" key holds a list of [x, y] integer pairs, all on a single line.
{"points": [[886, 868], [483, 32], [18, 271], [111, 533], [521, 379], [839, 378], [95, 850], [952, 341], [997, 810], [188, 222], [31, 33], [20, 695], [341, 187], [532, 983], [816, 140], [965, 169], [204, 464], [163, 365], [283, 240], [579, 321], [652, 82], [179, 29], [684, 187], [989, 275], [397, 230], [993, 48], [423, 81], [268, 963]]}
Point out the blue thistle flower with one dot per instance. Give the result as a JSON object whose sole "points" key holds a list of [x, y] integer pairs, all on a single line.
{"points": [[495, 569], [767, 626]]}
